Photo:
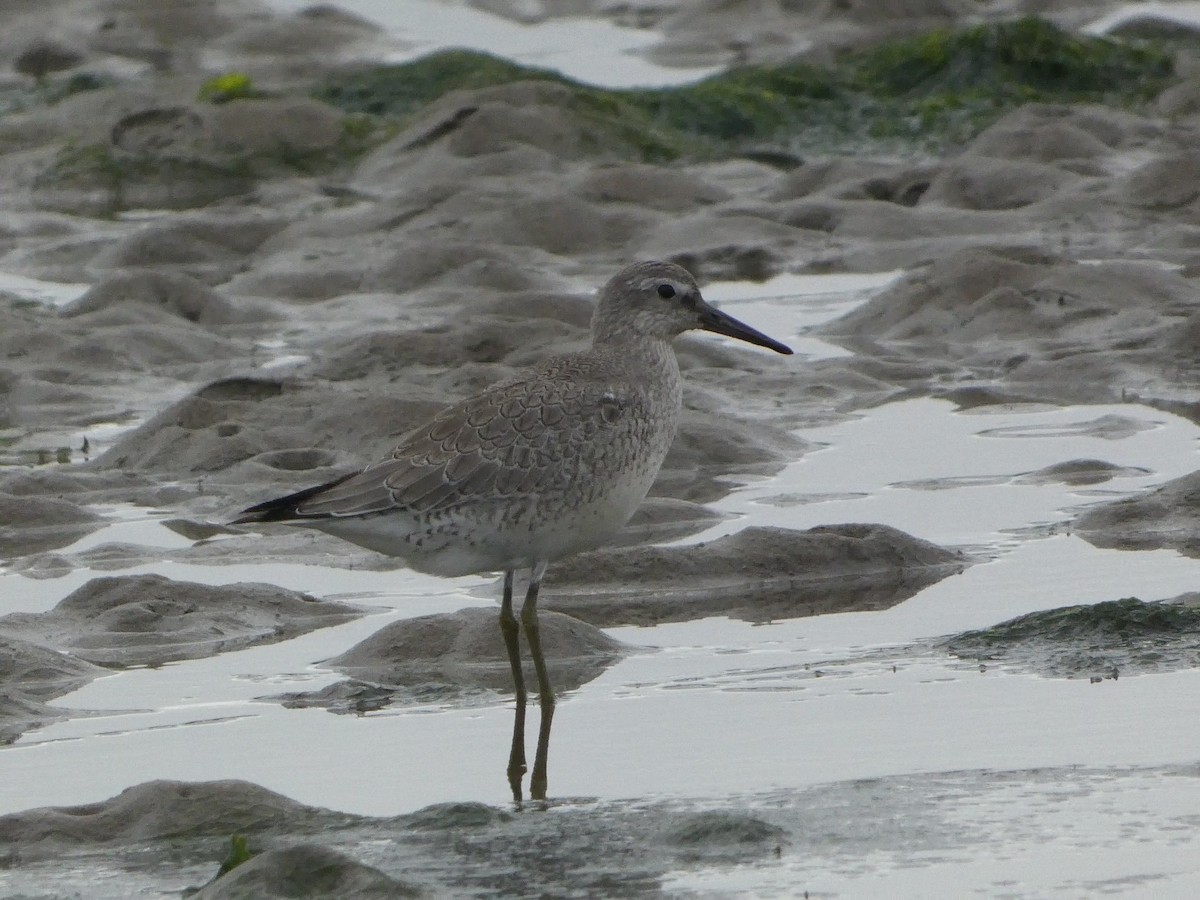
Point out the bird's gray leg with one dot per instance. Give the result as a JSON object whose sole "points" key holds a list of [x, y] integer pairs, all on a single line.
{"points": [[511, 632], [537, 781]]}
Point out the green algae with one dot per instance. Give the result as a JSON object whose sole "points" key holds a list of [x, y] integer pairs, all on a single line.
{"points": [[1027, 57], [401, 90], [227, 87], [111, 180], [239, 852], [1100, 640], [16, 98], [105, 181], [919, 94]]}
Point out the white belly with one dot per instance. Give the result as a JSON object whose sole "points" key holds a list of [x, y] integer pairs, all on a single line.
{"points": [[471, 542]]}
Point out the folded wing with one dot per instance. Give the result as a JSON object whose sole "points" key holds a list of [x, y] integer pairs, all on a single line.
{"points": [[508, 440]]}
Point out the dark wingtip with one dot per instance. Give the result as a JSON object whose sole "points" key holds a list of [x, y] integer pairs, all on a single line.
{"points": [[283, 509]]}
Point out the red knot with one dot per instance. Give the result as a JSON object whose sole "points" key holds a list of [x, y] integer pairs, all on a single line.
{"points": [[546, 464]]}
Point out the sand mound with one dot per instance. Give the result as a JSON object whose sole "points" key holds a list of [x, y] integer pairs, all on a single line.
{"points": [[148, 620]]}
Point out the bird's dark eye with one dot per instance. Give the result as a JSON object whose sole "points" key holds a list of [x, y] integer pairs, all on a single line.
{"points": [[666, 291]]}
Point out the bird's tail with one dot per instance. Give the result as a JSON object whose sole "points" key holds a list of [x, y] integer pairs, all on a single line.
{"points": [[283, 509]]}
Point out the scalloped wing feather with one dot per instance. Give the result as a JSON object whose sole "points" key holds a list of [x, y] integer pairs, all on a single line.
{"points": [[502, 442]]}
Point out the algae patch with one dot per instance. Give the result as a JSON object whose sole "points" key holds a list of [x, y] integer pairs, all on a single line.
{"points": [[1097, 641], [919, 94], [228, 87], [182, 157]]}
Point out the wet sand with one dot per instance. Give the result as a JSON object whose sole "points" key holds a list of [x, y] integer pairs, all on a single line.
{"points": [[909, 612]]}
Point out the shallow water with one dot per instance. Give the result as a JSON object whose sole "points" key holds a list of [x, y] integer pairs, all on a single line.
{"points": [[718, 707], [1049, 833], [588, 50], [35, 290], [1186, 12]]}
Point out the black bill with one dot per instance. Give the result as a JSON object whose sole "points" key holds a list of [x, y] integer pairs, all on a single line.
{"points": [[712, 319]]}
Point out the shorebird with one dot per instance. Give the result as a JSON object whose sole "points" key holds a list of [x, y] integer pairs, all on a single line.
{"points": [[546, 464]]}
